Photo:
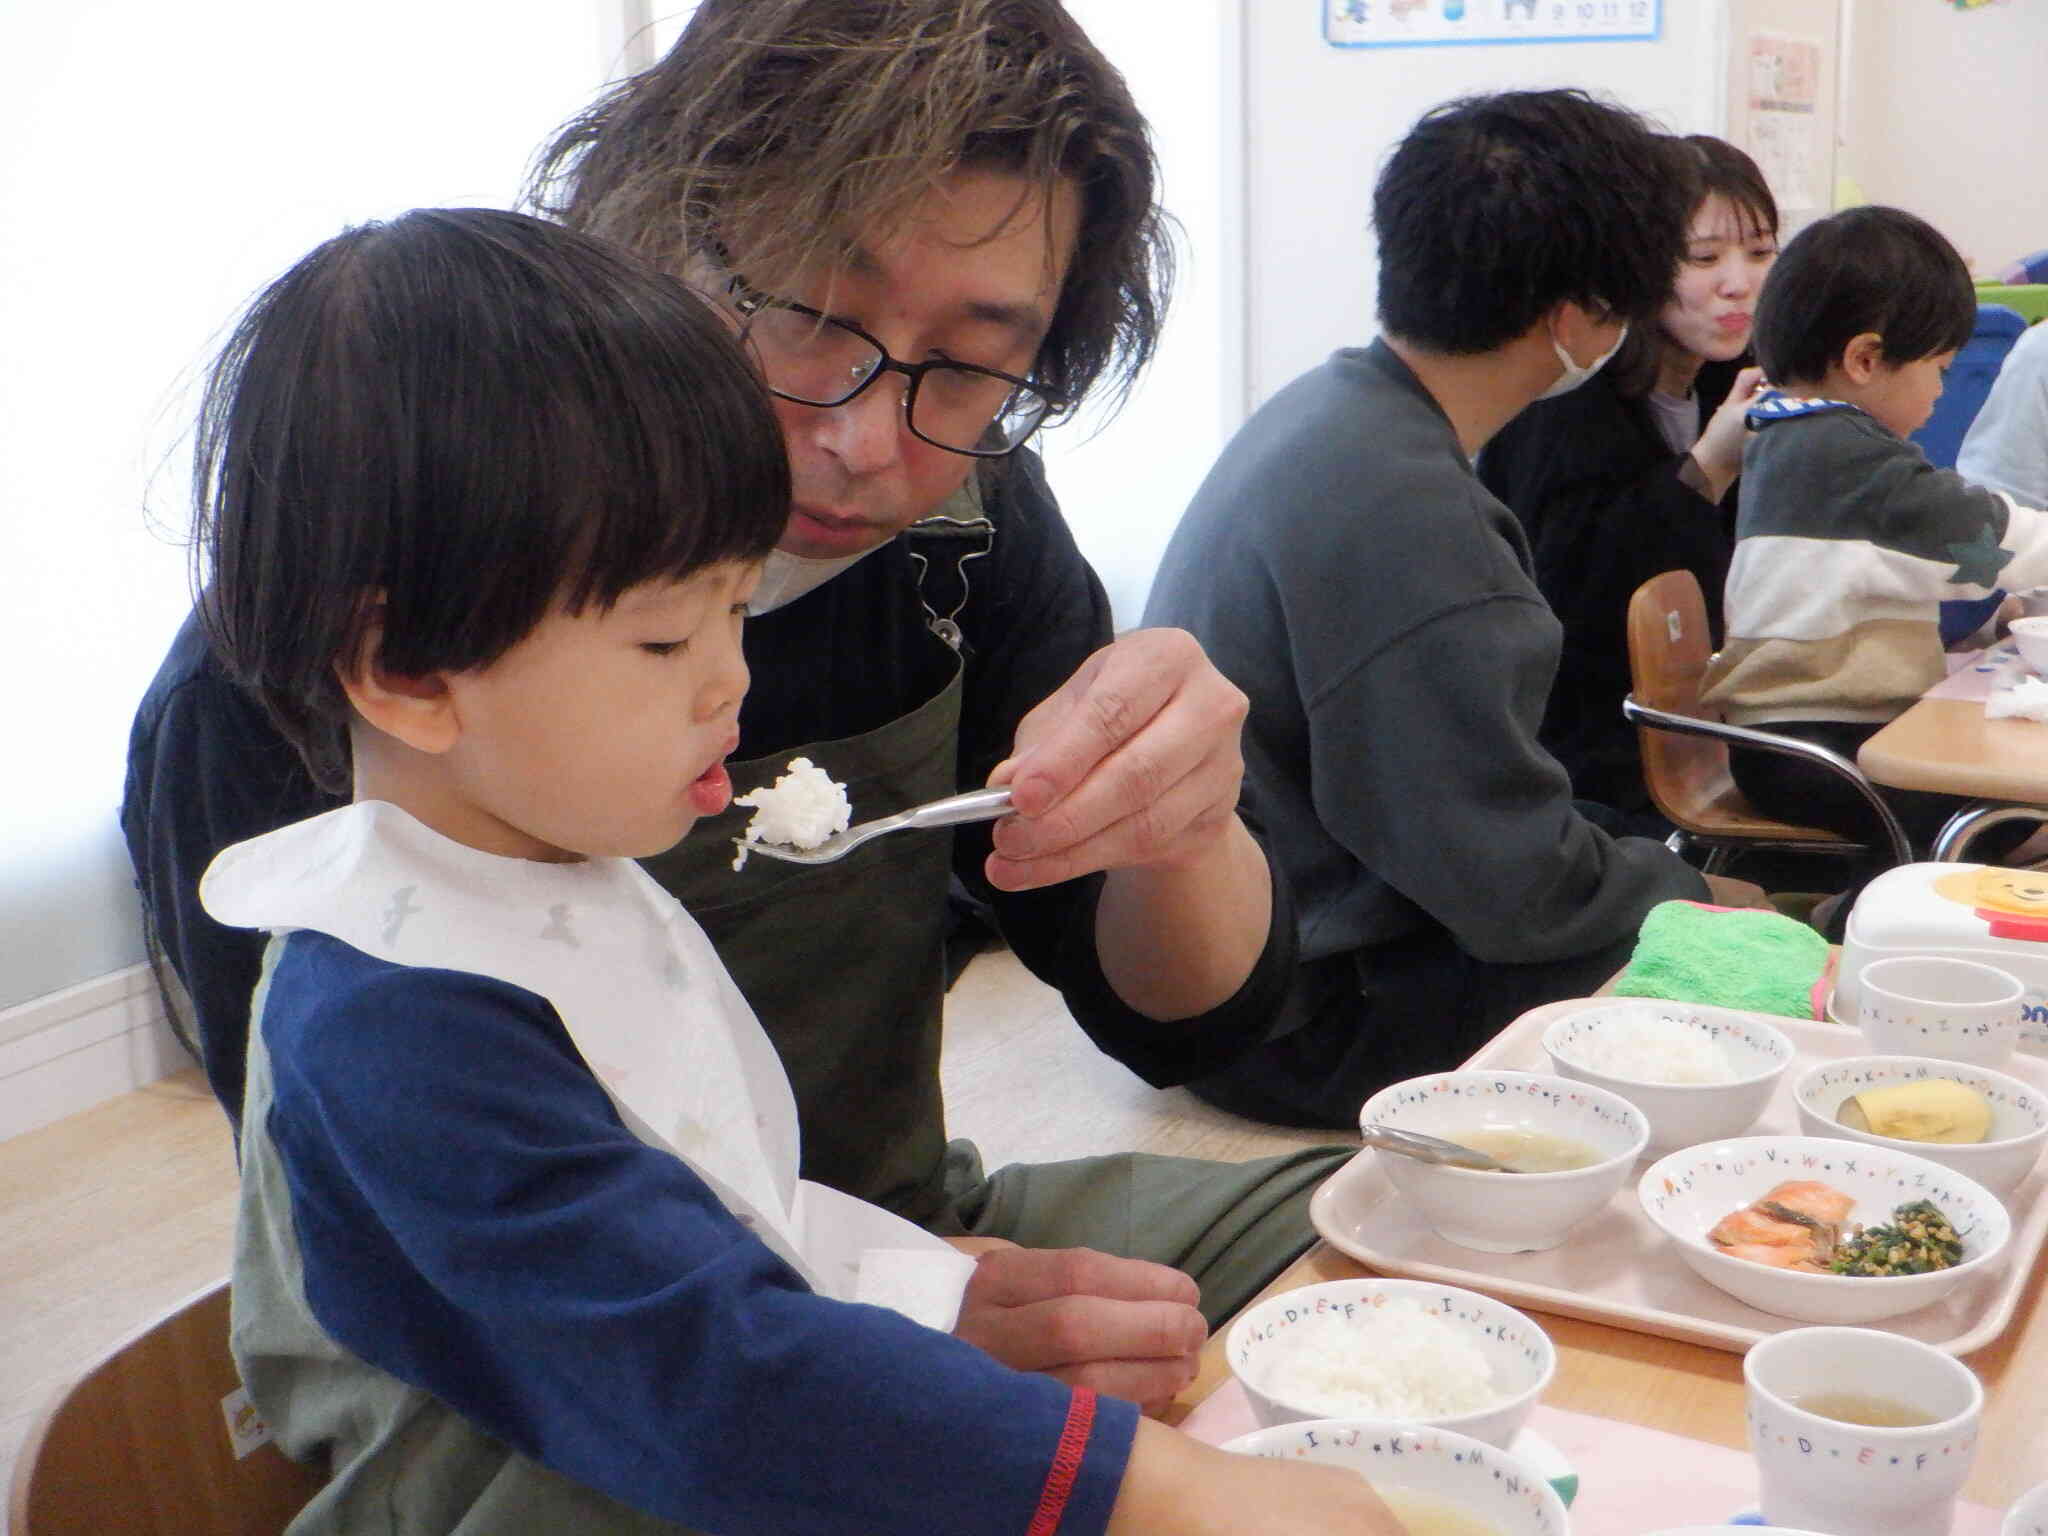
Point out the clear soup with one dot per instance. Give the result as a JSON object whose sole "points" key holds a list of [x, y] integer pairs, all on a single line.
{"points": [[1530, 1151]]}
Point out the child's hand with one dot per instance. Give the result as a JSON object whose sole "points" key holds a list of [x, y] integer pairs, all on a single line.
{"points": [[1176, 1486], [1719, 450], [1124, 1327]]}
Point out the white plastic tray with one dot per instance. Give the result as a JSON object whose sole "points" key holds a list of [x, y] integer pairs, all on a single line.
{"points": [[1618, 1268]]}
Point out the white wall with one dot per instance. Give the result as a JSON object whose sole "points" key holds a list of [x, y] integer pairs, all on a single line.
{"points": [[1124, 481], [158, 163], [1948, 117], [1321, 119]]}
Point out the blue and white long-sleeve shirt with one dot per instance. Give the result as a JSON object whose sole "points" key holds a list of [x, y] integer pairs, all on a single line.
{"points": [[490, 1306]]}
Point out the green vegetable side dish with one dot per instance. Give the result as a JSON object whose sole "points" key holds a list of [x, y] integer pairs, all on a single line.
{"points": [[1918, 1239]]}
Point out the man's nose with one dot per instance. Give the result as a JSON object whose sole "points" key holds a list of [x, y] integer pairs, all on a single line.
{"points": [[865, 434]]}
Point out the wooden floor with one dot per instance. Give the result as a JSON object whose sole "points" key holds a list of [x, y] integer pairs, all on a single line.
{"points": [[110, 1217]]}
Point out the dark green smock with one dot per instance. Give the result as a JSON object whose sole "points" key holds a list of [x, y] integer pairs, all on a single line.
{"points": [[843, 963]]}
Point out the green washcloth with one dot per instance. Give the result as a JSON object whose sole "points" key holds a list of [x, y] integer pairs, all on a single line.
{"points": [[1726, 956]]}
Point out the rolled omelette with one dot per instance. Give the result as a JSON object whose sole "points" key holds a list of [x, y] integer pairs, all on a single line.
{"points": [[1935, 1109]]}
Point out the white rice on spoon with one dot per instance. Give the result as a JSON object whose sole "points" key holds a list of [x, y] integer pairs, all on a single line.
{"points": [[802, 808]]}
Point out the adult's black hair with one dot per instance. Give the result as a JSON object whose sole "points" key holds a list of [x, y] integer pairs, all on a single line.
{"points": [[1876, 269], [474, 416], [1703, 167], [1495, 209]]}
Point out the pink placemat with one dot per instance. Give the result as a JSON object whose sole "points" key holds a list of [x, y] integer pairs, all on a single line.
{"points": [[1631, 1479], [1978, 674]]}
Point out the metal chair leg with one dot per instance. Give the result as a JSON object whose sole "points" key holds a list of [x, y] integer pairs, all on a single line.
{"points": [[1961, 829]]}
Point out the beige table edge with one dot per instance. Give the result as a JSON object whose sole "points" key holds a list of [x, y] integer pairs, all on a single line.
{"points": [[1949, 747]]}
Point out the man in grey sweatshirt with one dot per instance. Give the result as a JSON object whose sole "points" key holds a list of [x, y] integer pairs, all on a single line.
{"points": [[1345, 568]]}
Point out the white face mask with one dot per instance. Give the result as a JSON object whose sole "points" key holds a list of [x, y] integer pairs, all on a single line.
{"points": [[1573, 375], [786, 577]]}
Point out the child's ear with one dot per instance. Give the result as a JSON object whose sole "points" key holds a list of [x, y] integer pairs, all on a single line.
{"points": [[1860, 359], [418, 711]]}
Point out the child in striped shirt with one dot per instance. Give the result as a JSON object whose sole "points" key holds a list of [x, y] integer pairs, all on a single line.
{"points": [[1848, 540]]}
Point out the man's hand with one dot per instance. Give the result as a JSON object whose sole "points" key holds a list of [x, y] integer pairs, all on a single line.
{"points": [[1133, 762], [1123, 1327]]}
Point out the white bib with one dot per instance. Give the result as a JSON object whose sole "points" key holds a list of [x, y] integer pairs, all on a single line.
{"points": [[639, 989]]}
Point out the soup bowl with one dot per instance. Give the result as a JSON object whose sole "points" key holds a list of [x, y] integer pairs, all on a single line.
{"points": [[1362, 1350], [1502, 1493], [1592, 1044], [1686, 1193], [1507, 1212], [2019, 1113]]}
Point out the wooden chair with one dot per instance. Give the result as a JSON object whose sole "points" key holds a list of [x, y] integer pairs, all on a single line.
{"points": [[141, 1445], [1685, 749]]}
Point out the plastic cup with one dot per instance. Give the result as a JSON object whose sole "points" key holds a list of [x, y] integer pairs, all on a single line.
{"points": [[1934, 1005], [1821, 1473]]}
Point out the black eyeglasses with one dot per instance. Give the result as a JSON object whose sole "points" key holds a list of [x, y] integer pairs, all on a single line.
{"points": [[813, 359]]}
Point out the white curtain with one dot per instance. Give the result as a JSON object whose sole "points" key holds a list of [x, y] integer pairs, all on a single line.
{"points": [[159, 164]]}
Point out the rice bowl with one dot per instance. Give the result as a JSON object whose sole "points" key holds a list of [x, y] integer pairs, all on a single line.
{"points": [[1392, 1352], [1620, 1047]]}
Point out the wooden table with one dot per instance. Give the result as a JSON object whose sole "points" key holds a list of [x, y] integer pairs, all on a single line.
{"points": [[1688, 1389], [1949, 747]]}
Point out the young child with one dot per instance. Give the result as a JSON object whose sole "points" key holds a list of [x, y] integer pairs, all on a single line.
{"points": [[1848, 540], [522, 1245]]}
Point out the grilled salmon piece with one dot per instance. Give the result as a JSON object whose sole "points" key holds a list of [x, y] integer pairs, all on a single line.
{"points": [[1820, 1202], [1751, 1228]]}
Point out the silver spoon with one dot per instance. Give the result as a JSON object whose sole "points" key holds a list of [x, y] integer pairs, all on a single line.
{"points": [[975, 805], [1431, 1149]]}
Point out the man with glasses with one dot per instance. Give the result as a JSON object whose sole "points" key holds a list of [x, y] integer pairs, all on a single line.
{"points": [[934, 222], [1347, 569]]}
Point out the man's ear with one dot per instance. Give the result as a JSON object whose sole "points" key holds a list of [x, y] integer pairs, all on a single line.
{"points": [[1860, 359], [418, 711]]}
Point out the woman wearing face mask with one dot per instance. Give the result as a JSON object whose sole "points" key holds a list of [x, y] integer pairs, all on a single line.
{"points": [[1634, 473]]}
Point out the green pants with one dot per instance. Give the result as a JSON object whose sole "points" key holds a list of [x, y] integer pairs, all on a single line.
{"points": [[1231, 1226]]}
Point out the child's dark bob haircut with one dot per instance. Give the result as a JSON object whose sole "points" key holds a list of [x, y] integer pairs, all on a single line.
{"points": [[1496, 209], [473, 417], [1880, 270]]}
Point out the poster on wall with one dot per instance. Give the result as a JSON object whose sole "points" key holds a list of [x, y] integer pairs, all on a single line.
{"points": [[1783, 89], [1426, 23], [1783, 65]]}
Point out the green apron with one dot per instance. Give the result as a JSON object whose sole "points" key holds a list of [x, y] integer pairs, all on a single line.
{"points": [[844, 965], [843, 962]]}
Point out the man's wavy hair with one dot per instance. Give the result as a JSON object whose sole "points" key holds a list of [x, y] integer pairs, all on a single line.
{"points": [[775, 132]]}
